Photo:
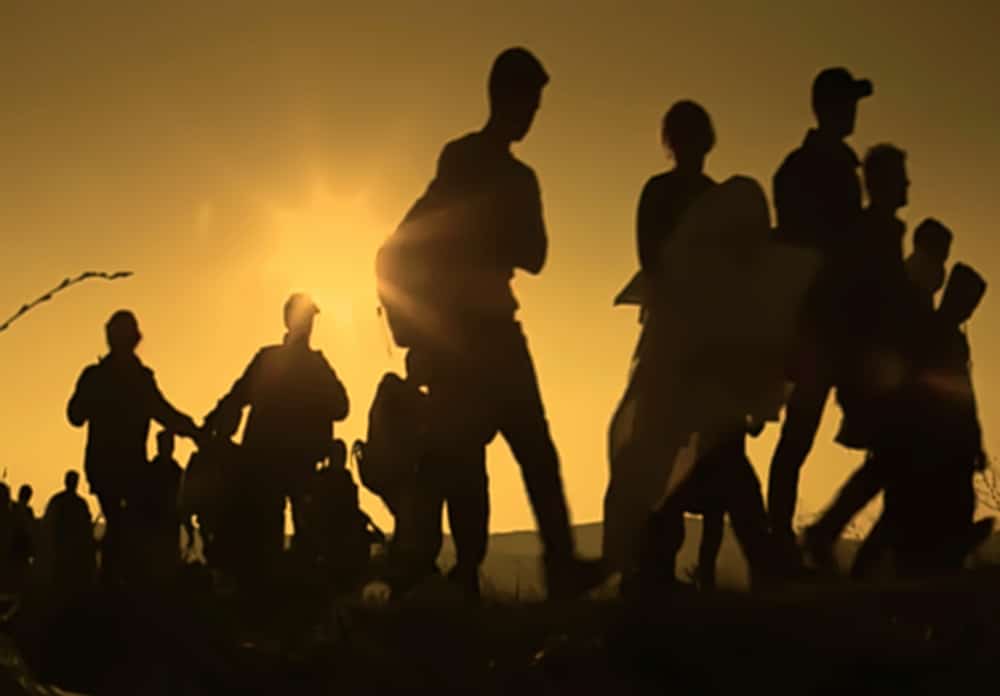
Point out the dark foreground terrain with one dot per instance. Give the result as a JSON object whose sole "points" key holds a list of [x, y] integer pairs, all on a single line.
{"points": [[810, 639]]}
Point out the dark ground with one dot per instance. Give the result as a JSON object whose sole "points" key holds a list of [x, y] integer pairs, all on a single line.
{"points": [[810, 639]]}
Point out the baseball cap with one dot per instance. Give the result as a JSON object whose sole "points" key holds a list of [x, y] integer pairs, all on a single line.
{"points": [[299, 306], [839, 85]]}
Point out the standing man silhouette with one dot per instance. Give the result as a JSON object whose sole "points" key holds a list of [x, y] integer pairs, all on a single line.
{"points": [[480, 219], [117, 398], [295, 397], [817, 196]]}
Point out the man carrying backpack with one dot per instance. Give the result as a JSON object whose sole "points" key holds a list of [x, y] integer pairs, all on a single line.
{"points": [[295, 397], [444, 279]]}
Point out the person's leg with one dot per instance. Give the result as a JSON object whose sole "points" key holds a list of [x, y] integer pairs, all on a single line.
{"points": [[417, 537], [873, 548], [468, 515], [860, 489], [660, 540], [111, 545], [802, 418], [641, 452], [523, 423], [739, 490], [712, 528], [525, 428], [663, 535]]}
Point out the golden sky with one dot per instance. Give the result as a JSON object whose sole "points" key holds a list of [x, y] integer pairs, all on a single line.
{"points": [[231, 154]]}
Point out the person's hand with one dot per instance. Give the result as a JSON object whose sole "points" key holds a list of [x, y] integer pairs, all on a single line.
{"points": [[202, 436], [982, 461]]}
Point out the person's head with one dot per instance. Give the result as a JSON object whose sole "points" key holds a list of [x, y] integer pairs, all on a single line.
{"points": [[165, 443], [122, 332], [24, 494], [687, 132], [4, 496], [835, 96], [933, 240], [885, 177], [71, 480], [962, 295], [299, 313], [515, 90]]}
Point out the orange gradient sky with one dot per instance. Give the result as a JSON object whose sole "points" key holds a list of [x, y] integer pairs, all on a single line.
{"points": [[230, 153]]}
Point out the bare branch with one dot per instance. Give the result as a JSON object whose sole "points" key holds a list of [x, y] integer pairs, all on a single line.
{"points": [[62, 286]]}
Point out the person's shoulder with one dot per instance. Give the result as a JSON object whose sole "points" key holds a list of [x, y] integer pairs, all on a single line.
{"points": [[661, 180], [92, 371], [143, 369], [320, 362], [461, 148], [659, 184], [792, 161], [267, 352]]}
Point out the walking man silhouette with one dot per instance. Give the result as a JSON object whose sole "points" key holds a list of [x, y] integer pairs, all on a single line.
{"points": [[480, 219], [817, 196]]}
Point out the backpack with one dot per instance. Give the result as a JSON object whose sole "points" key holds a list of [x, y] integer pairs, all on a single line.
{"points": [[342, 531], [418, 269], [388, 459]]}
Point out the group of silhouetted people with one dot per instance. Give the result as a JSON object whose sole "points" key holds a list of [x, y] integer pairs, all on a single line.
{"points": [[739, 319], [57, 548], [864, 325]]}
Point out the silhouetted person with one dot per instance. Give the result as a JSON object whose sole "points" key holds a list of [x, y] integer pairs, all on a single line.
{"points": [[70, 532], [926, 263], [342, 533], [25, 529], [295, 397], [933, 444], [713, 527], [817, 197], [117, 398], [688, 135], [480, 219], [212, 492], [878, 317], [159, 506], [723, 480], [7, 530]]}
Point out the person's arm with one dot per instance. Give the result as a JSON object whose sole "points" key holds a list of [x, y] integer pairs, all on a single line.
{"points": [[525, 233], [645, 232], [225, 417], [80, 406], [165, 414], [333, 392]]}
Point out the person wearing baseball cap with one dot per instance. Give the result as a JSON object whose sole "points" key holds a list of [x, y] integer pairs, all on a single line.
{"points": [[295, 397], [817, 197]]}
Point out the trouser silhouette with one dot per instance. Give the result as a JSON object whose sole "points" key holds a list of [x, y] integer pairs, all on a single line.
{"points": [[726, 476], [486, 387], [802, 418], [459, 480], [929, 507], [860, 489], [114, 546]]}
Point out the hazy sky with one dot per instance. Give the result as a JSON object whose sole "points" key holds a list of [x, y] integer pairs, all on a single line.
{"points": [[231, 154]]}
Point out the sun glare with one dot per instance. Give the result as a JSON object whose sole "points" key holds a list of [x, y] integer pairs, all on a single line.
{"points": [[326, 246]]}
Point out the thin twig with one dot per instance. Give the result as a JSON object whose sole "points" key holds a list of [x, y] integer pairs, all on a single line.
{"points": [[67, 282]]}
